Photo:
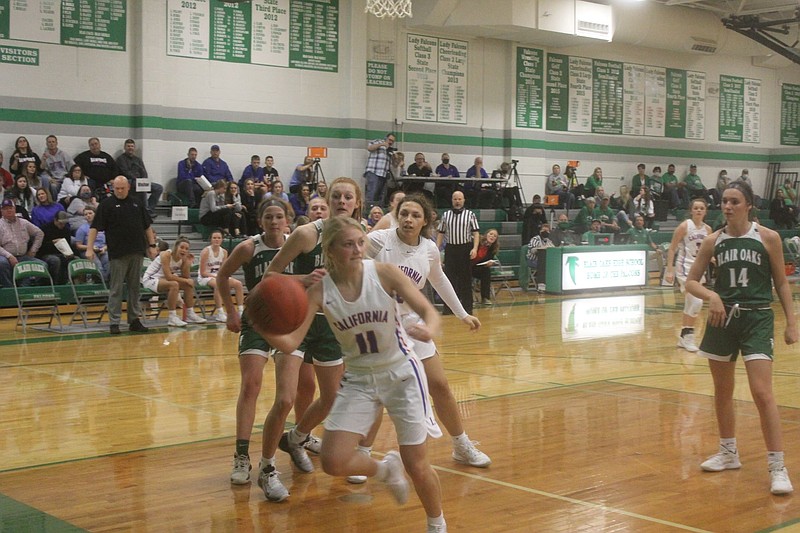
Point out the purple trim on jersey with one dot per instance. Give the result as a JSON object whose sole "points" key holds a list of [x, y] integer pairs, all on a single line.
{"points": [[401, 343], [420, 385]]}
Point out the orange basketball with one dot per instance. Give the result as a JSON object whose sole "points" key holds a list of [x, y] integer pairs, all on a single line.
{"points": [[277, 304]]}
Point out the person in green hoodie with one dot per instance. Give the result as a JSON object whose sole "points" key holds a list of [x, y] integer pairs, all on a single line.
{"points": [[695, 187], [676, 195], [585, 216]]}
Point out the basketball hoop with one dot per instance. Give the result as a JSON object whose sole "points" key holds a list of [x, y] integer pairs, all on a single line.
{"points": [[389, 8]]}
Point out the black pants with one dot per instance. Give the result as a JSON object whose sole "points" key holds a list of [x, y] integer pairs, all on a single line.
{"points": [[484, 274], [219, 219], [458, 271]]}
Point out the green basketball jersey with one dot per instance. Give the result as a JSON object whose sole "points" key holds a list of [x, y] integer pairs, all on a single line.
{"points": [[306, 263], [262, 257], [744, 275]]}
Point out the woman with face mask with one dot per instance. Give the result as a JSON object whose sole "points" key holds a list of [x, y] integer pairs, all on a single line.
{"points": [[77, 207]]}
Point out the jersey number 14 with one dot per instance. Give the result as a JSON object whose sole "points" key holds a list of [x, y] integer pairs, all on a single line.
{"points": [[738, 281]]}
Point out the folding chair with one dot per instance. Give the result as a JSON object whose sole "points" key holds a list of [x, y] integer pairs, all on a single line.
{"points": [[501, 276], [35, 301], [84, 278]]}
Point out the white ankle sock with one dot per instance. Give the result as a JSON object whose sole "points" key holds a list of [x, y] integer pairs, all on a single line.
{"points": [[295, 437], [436, 521], [728, 445], [462, 439], [173, 313], [264, 462], [366, 450], [383, 471], [775, 460]]}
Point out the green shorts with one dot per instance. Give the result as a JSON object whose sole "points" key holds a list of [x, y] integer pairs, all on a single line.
{"points": [[251, 343], [751, 333], [320, 344]]}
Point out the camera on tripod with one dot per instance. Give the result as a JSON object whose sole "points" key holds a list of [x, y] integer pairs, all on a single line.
{"points": [[316, 160], [515, 161]]}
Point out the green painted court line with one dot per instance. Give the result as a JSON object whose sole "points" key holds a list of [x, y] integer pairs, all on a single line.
{"points": [[17, 517], [779, 526]]}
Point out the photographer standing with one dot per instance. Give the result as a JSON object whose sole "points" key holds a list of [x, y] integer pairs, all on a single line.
{"points": [[377, 171], [303, 174]]}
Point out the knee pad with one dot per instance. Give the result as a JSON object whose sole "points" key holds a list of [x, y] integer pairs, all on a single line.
{"points": [[692, 305]]}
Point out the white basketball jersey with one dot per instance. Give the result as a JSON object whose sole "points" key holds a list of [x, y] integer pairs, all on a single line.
{"points": [[367, 329], [414, 261], [213, 262], [155, 270], [689, 246]]}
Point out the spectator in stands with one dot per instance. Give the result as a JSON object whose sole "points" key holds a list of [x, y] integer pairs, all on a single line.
{"points": [[655, 183], [129, 235], [36, 182], [789, 193], [585, 216], [593, 182], [70, 187], [640, 178], [594, 229], [22, 154], [216, 169], [98, 166], [398, 165], [170, 273], [23, 196], [484, 259], [599, 194], [300, 200], [238, 219], [321, 191], [460, 227], [477, 170], [533, 218], [641, 235], [277, 191], [132, 167], [562, 235], [211, 259], [100, 258], [253, 171], [57, 240], [745, 177], [45, 209], [77, 207], [445, 169], [55, 162], [643, 203], [607, 216], [782, 213], [624, 207], [723, 180], [20, 240], [576, 189], [303, 173], [378, 168], [388, 220], [6, 179], [375, 215], [270, 172], [189, 170], [444, 191], [537, 255], [695, 187], [677, 195], [557, 184], [250, 200], [215, 212], [421, 169]]}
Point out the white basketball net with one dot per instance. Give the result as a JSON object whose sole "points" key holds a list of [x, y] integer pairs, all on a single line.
{"points": [[389, 8]]}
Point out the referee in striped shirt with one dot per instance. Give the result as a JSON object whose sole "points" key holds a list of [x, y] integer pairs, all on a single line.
{"points": [[460, 226]]}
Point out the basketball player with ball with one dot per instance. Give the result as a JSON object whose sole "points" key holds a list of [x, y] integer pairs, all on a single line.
{"points": [[357, 298]]}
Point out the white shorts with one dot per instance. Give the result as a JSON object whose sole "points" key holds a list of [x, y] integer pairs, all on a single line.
{"points": [[203, 281], [423, 349], [402, 390], [150, 284]]}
